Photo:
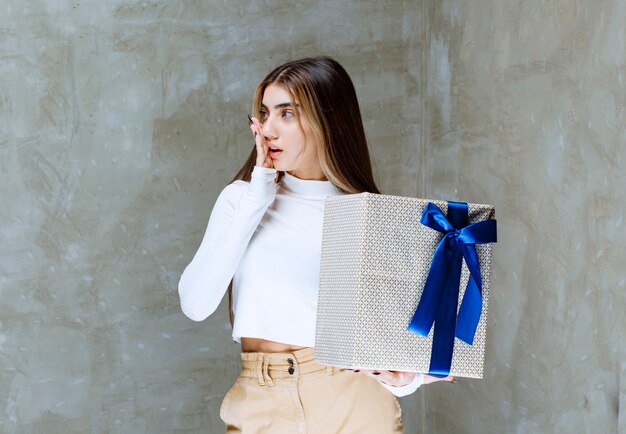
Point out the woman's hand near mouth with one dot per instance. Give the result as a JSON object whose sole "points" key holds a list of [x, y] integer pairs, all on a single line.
{"points": [[263, 158]]}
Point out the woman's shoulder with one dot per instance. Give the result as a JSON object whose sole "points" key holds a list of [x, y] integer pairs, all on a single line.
{"points": [[238, 183], [231, 192]]}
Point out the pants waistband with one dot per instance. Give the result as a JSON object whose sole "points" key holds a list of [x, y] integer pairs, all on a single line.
{"points": [[266, 367]]}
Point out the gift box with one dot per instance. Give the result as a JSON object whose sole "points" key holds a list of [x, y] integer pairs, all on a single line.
{"points": [[404, 284]]}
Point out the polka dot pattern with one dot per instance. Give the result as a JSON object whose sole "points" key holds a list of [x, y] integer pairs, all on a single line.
{"points": [[374, 261]]}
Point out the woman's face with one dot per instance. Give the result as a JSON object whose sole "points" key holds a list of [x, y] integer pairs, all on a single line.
{"points": [[285, 127]]}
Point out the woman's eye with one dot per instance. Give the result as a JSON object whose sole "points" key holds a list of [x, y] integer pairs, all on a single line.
{"points": [[287, 114], [262, 116]]}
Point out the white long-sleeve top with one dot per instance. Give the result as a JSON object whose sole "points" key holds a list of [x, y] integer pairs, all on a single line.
{"points": [[266, 237]]}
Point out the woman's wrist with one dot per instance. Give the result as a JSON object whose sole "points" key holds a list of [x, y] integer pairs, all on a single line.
{"points": [[407, 389], [262, 182]]}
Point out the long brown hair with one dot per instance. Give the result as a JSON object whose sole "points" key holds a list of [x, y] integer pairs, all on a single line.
{"points": [[328, 100]]}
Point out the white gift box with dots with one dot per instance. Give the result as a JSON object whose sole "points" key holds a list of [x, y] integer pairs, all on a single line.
{"points": [[375, 258]]}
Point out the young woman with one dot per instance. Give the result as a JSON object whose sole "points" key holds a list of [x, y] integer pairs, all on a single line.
{"points": [[263, 243]]}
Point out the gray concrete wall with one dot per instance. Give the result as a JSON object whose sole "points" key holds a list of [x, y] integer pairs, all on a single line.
{"points": [[525, 104], [120, 122]]}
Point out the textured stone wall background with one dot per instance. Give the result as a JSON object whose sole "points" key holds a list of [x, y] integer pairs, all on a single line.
{"points": [[120, 122], [525, 105]]}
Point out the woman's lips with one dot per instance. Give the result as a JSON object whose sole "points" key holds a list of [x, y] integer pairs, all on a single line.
{"points": [[274, 154]]}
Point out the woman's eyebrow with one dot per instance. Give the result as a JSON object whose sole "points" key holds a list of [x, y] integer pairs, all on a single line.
{"points": [[281, 105]]}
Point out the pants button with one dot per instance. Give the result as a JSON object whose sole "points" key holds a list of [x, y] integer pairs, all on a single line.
{"points": [[291, 370], [290, 361]]}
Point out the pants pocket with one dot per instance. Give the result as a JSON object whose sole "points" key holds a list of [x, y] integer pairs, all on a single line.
{"points": [[226, 401]]}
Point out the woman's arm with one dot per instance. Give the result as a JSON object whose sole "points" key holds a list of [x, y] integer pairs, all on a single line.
{"points": [[237, 212]]}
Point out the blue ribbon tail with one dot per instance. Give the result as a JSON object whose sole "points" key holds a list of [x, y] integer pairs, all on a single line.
{"points": [[443, 336], [471, 307], [424, 315], [469, 313]]}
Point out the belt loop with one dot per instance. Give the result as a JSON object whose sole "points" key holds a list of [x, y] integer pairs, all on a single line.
{"points": [[259, 371], [266, 372]]}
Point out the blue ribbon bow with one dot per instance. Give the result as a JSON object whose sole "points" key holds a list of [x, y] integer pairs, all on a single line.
{"points": [[440, 297]]}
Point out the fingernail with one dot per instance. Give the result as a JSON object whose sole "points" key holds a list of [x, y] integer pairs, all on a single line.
{"points": [[250, 120], [357, 370], [376, 373]]}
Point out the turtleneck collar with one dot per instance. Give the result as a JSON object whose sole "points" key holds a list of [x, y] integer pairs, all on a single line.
{"points": [[308, 187]]}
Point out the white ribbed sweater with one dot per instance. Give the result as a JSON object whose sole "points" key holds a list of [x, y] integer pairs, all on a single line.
{"points": [[267, 238]]}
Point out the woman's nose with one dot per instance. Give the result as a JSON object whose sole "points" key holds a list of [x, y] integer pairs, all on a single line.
{"points": [[268, 129]]}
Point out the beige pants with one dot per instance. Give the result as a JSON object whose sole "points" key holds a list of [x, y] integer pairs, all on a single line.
{"points": [[290, 393]]}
